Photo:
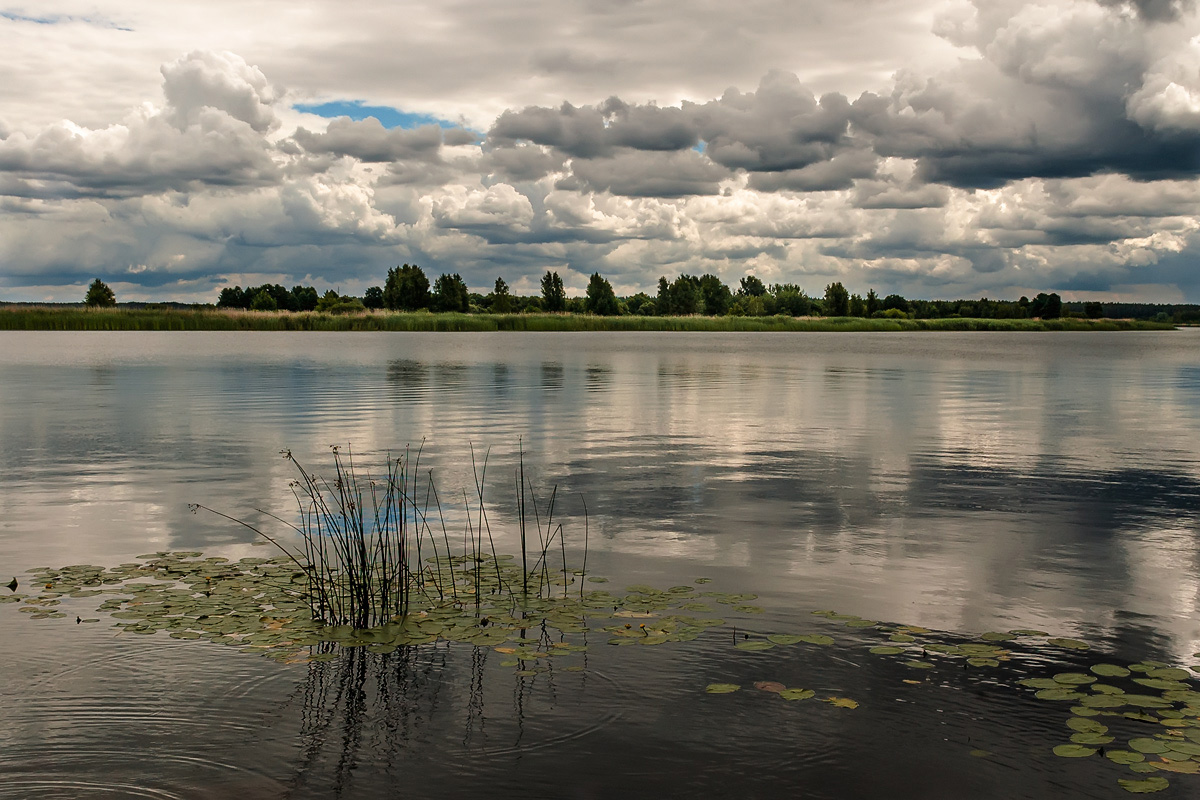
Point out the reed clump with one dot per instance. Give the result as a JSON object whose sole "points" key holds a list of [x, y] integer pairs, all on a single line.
{"points": [[375, 546]]}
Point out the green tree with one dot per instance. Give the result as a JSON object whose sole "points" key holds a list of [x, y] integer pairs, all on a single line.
{"points": [[373, 297], [263, 301], [1093, 310], [450, 294], [872, 302], [233, 297], [662, 301], [601, 299], [406, 289], [640, 304], [98, 294], [554, 296], [791, 299], [1046, 306], [837, 300], [715, 295], [501, 301], [858, 306], [302, 298], [751, 286]]}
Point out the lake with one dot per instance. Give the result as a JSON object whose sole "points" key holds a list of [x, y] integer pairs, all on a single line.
{"points": [[957, 483]]}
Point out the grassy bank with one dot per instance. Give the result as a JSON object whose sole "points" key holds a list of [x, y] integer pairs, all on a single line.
{"points": [[149, 319]]}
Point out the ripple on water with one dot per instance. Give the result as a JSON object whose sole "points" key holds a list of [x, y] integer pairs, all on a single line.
{"points": [[43, 774]]}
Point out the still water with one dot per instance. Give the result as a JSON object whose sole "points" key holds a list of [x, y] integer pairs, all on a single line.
{"points": [[961, 482]]}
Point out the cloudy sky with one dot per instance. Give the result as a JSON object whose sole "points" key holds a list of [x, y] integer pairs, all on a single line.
{"points": [[936, 148]]}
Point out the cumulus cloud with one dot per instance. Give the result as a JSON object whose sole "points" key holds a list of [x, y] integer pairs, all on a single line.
{"points": [[1057, 146]]}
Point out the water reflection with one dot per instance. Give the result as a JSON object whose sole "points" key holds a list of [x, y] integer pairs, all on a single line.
{"points": [[975, 480]]}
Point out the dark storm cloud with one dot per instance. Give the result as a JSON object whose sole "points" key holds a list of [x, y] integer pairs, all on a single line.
{"points": [[1154, 10], [367, 140], [635, 173], [592, 131]]}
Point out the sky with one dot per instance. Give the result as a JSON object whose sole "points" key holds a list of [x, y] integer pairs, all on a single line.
{"points": [[931, 148]]}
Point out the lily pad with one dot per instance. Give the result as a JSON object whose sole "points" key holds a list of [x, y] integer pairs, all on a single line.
{"points": [[770, 686], [1074, 751], [842, 702], [754, 645], [1170, 673], [886, 650], [1124, 757], [1145, 744], [785, 638], [796, 694], [1070, 644], [1086, 726], [721, 688], [1154, 783], [1073, 678], [918, 664], [1109, 670], [1091, 738], [1059, 694], [979, 661]]}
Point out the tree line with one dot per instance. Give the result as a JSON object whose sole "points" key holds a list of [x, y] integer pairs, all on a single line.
{"points": [[407, 288]]}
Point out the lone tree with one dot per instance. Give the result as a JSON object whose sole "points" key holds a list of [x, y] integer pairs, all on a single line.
{"points": [[601, 299], [554, 296], [98, 294], [501, 300]]}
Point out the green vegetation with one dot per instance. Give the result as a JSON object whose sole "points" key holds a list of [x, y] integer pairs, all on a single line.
{"points": [[98, 294], [349, 314]]}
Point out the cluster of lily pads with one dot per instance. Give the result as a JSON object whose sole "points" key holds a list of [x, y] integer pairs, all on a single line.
{"points": [[260, 605]]}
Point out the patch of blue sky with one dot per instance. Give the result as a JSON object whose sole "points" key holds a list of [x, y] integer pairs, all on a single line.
{"points": [[700, 146], [60, 19], [388, 117]]}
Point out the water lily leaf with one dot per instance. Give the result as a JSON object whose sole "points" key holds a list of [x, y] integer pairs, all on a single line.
{"points": [[886, 650], [994, 636], [1190, 748], [1028, 632], [1041, 683], [1086, 726], [1073, 751], [1124, 757], [1154, 783], [1104, 688], [1170, 673], [754, 645], [769, 686], [1091, 738], [721, 688], [1145, 744], [785, 638], [842, 702], [1184, 767], [978, 661], [1109, 670], [703, 580], [918, 664], [796, 694], [1074, 678], [1160, 684], [1145, 701], [902, 637], [1070, 644]]}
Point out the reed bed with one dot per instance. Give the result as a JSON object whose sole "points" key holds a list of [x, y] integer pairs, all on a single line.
{"points": [[153, 319], [375, 546]]}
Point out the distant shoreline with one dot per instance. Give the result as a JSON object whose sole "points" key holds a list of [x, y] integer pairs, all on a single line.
{"points": [[41, 318]]}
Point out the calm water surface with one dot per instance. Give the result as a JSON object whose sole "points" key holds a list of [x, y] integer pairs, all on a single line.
{"points": [[961, 482]]}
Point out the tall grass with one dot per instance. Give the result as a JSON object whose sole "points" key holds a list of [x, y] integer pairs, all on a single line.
{"points": [[371, 545], [152, 319]]}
